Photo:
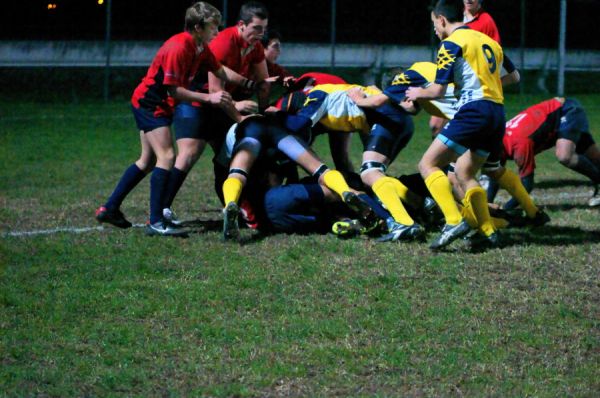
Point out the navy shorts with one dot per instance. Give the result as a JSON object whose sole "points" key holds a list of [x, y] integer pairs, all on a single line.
{"points": [[192, 122], [392, 130], [573, 121], [477, 126], [146, 121]]}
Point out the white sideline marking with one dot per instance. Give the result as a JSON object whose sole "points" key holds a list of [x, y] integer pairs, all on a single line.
{"points": [[539, 197], [60, 229]]}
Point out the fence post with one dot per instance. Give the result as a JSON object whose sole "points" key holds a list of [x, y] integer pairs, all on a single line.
{"points": [[333, 33], [107, 50], [561, 48]]}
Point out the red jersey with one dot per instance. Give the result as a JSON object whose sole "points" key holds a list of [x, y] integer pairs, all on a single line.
{"points": [[310, 79], [234, 52], [277, 70], [530, 132], [175, 64], [484, 23]]}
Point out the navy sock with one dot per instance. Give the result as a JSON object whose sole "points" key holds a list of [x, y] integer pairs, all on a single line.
{"points": [[375, 205], [176, 179], [132, 176], [158, 188], [586, 167]]}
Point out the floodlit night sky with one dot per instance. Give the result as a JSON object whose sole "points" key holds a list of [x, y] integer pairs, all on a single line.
{"points": [[404, 22]]}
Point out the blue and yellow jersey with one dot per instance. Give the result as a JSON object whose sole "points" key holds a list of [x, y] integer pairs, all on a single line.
{"points": [[329, 105], [472, 61], [422, 74]]}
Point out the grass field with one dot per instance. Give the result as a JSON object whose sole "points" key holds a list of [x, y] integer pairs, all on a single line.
{"points": [[111, 312]]}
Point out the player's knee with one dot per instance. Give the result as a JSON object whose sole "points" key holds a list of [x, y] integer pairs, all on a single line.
{"points": [[146, 163], [566, 159]]}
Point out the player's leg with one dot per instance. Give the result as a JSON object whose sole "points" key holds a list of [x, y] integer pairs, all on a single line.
{"points": [[110, 212], [190, 124], [391, 192], [245, 153], [467, 166], [161, 143], [592, 152]]}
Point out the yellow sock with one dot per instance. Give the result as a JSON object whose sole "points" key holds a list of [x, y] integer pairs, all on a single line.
{"points": [[477, 199], [499, 222], [441, 191], [468, 215], [335, 181], [232, 189], [385, 189], [512, 183]]}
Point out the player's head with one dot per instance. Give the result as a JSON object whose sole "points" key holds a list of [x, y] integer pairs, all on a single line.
{"points": [[253, 21], [473, 6], [446, 13], [272, 44], [203, 20]]}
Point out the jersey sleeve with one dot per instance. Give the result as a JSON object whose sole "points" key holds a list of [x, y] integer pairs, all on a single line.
{"points": [[174, 65], [507, 66], [220, 46], [524, 156], [448, 54], [210, 61], [402, 81]]}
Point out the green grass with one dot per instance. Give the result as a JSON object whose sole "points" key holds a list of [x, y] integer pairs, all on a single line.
{"points": [[113, 312]]}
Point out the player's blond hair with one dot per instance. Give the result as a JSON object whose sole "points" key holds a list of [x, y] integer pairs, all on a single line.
{"points": [[201, 13]]}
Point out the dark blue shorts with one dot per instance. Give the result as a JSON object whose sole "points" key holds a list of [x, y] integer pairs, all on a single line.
{"points": [[477, 126], [146, 121], [573, 121], [192, 122], [392, 130]]}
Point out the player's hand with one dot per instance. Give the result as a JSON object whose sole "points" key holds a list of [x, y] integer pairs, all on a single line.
{"points": [[409, 106], [413, 93], [220, 98], [355, 94], [254, 115], [246, 106], [271, 109], [288, 81]]}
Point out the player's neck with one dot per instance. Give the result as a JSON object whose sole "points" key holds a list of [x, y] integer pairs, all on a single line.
{"points": [[469, 15], [451, 27]]}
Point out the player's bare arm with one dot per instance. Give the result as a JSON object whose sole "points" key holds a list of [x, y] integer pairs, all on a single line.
{"points": [[433, 91], [358, 96]]}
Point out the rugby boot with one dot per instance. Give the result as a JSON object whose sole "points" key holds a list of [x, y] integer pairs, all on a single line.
{"points": [[348, 228], [367, 216], [595, 199], [538, 220], [114, 217], [401, 232], [479, 242], [231, 229], [170, 216], [449, 234], [164, 228]]}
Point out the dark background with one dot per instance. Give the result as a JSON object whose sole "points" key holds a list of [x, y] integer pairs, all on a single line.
{"points": [[379, 21]]}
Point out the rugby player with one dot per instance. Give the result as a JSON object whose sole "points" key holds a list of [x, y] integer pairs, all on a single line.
{"points": [[166, 81], [472, 61], [560, 123]]}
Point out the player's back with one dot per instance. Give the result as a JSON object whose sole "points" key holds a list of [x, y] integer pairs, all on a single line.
{"points": [[538, 123], [422, 74], [477, 63]]}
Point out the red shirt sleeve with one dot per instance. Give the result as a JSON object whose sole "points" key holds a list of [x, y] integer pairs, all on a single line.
{"points": [[209, 61], [176, 63], [484, 23], [524, 156]]}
